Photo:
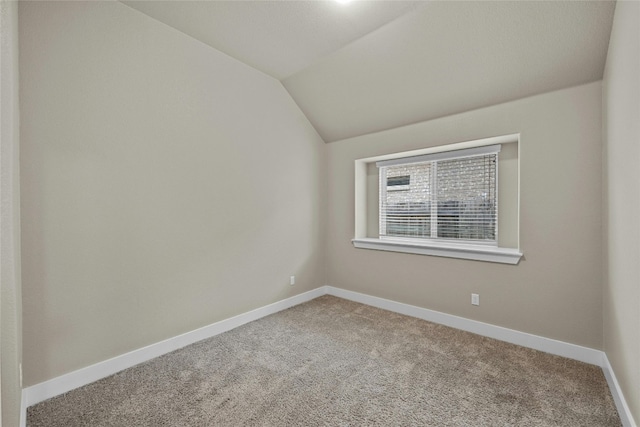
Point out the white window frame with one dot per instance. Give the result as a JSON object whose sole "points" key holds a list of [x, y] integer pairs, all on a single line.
{"points": [[451, 249]]}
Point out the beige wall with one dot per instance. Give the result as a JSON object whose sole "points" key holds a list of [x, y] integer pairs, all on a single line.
{"points": [[621, 101], [10, 299], [165, 186], [555, 291]]}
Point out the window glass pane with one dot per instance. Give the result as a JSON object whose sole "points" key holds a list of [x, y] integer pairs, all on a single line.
{"points": [[446, 199], [394, 181], [466, 197], [406, 213]]}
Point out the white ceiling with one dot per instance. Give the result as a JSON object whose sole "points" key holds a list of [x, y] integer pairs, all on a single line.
{"points": [[374, 65], [279, 38]]}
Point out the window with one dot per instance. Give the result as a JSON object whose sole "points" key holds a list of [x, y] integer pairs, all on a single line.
{"points": [[459, 200], [451, 196], [398, 183]]}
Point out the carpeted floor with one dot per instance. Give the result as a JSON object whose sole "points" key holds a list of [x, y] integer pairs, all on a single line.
{"points": [[332, 362]]}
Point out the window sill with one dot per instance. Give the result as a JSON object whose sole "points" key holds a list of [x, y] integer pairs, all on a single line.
{"points": [[473, 252]]}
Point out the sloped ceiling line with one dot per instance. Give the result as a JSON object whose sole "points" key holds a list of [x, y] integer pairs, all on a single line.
{"points": [[371, 66]]}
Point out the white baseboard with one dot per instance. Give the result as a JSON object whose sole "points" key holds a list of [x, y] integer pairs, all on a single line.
{"points": [[64, 383], [572, 351], [23, 409], [616, 392]]}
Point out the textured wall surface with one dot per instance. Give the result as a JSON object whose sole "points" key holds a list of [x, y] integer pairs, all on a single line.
{"points": [[555, 291], [165, 186], [621, 103]]}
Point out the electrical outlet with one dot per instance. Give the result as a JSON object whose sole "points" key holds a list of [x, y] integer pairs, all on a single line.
{"points": [[292, 280], [475, 299]]}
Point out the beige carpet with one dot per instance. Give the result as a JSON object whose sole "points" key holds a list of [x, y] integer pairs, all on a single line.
{"points": [[332, 362]]}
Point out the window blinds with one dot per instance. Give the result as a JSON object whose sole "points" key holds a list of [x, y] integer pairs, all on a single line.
{"points": [[449, 195]]}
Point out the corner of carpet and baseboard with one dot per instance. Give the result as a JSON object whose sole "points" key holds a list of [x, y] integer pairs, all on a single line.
{"points": [[64, 383], [547, 345], [616, 392]]}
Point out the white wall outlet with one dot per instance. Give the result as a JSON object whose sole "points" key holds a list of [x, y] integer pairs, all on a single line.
{"points": [[292, 280], [475, 299]]}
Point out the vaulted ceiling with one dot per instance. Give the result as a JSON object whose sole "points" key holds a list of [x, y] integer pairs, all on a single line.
{"points": [[372, 65]]}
